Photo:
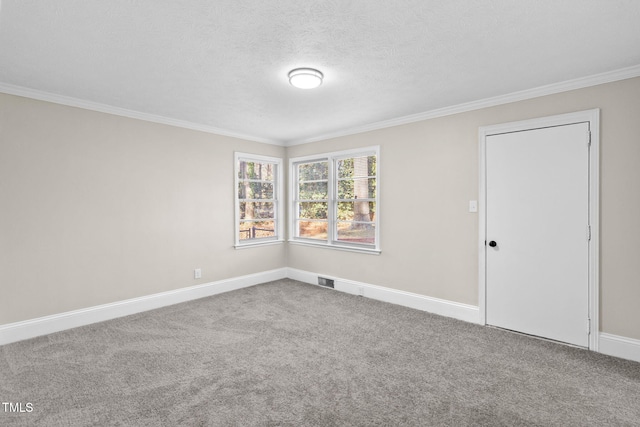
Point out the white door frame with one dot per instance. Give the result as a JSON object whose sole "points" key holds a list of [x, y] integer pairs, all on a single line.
{"points": [[593, 117]]}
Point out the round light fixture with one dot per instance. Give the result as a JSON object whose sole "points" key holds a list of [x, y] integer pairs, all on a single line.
{"points": [[305, 78]]}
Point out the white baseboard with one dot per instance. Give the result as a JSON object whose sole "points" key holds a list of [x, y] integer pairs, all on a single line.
{"points": [[468, 313], [19, 331], [612, 345], [623, 347]]}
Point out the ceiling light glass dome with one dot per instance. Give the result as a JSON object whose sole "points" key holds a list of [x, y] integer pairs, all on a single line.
{"points": [[305, 78]]}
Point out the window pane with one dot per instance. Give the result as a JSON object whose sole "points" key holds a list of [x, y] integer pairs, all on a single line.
{"points": [[313, 229], [357, 232], [335, 198], [357, 211], [255, 190], [313, 190], [256, 170], [313, 210], [356, 167], [256, 230], [361, 188], [313, 171], [256, 210]]}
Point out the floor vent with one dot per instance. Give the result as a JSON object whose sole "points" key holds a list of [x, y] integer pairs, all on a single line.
{"points": [[323, 281]]}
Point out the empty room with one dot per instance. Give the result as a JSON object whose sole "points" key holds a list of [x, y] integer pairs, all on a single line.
{"points": [[327, 213]]}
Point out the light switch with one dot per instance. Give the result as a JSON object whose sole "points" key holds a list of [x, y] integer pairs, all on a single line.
{"points": [[473, 206]]}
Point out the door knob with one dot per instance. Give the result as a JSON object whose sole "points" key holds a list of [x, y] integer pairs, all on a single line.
{"points": [[493, 244]]}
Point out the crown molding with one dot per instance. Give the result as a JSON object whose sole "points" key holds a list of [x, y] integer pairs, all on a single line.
{"points": [[583, 82], [580, 83], [109, 109]]}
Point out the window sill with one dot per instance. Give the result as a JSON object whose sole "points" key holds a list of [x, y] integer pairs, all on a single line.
{"points": [[258, 244], [336, 247]]}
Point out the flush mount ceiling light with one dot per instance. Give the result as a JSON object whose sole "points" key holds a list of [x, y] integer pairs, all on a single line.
{"points": [[305, 78]]}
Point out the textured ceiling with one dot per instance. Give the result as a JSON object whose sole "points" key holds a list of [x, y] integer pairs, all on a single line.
{"points": [[223, 63]]}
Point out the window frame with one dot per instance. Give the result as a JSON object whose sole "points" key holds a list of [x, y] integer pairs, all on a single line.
{"points": [[332, 241], [278, 200]]}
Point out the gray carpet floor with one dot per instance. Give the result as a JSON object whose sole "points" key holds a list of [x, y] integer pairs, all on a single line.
{"points": [[291, 354]]}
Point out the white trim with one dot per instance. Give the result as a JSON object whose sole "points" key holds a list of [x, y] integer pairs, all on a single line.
{"points": [[109, 109], [257, 244], [331, 158], [19, 331], [322, 244], [278, 187], [593, 118], [594, 223], [579, 83], [372, 149], [456, 310], [523, 95], [625, 348]]}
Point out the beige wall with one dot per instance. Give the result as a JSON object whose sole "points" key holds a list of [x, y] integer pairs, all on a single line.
{"points": [[429, 172], [97, 208]]}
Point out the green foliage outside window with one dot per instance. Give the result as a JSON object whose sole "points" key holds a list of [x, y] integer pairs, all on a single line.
{"points": [[356, 180], [256, 182]]}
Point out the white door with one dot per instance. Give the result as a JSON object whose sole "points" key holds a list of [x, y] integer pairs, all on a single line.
{"points": [[537, 216]]}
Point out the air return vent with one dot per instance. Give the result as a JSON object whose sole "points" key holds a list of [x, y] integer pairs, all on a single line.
{"points": [[323, 281]]}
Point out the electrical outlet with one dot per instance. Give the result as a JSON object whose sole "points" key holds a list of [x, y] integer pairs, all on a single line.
{"points": [[197, 273], [360, 291]]}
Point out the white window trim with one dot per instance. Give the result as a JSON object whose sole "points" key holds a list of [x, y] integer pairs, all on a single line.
{"points": [[331, 242], [278, 205]]}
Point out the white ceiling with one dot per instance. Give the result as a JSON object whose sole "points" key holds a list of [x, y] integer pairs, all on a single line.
{"points": [[222, 64]]}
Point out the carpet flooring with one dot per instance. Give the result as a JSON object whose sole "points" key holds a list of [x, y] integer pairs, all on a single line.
{"points": [[291, 354]]}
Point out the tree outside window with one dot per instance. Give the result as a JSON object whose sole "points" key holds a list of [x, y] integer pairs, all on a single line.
{"points": [[257, 199], [335, 199]]}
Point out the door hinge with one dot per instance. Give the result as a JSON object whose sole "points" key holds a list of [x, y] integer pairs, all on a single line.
{"points": [[589, 232], [589, 138], [588, 326]]}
